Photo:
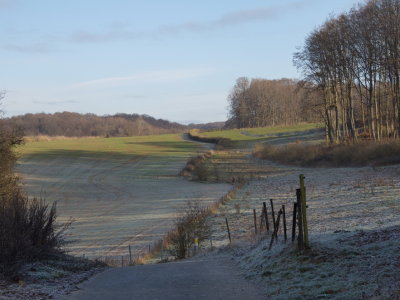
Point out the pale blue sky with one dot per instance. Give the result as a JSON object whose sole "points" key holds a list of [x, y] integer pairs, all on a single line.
{"points": [[173, 59]]}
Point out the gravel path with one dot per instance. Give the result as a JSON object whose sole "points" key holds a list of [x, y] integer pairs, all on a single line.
{"points": [[211, 277]]}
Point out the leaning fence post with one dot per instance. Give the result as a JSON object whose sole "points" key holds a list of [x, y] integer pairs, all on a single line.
{"points": [[130, 255], [255, 220], [273, 213], [266, 215], [275, 233], [229, 232], [284, 221], [304, 210]]}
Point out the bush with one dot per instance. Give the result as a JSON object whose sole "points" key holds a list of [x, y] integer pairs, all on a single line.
{"points": [[190, 223], [27, 230]]}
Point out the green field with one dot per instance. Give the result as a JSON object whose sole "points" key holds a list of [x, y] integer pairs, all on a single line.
{"points": [[169, 145], [253, 134]]}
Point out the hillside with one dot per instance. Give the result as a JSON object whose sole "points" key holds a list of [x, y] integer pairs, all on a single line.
{"points": [[77, 125]]}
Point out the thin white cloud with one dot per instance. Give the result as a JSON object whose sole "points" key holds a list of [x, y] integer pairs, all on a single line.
{"points": [[227, 20], [55, 102], [112, 34], [145, 77], [31, 48]]}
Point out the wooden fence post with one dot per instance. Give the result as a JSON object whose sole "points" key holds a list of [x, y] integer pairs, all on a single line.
{"points": [[130, 255], [300, 218], [294, 221], [273, 213], [284, 222], [275, 233], [229, 232], [255, 221], [304, 210], [266, 216]]}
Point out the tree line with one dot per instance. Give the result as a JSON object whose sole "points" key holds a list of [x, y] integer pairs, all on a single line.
{"points": [[262, 102], [77, 125], [353, 62]]}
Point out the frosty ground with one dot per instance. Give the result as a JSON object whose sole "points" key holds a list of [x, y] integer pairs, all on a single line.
{"points": [[354, 224]]}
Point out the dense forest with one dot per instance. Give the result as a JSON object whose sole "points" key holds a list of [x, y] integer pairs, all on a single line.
{"points": [[353, 60], [78, 125], [261, 102]]}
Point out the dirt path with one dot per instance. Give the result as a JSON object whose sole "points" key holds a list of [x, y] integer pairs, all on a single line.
{"points": [[212, 277]]}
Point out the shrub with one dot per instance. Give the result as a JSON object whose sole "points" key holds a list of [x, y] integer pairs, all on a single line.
{"points": [[28, 230], [190, 223]]}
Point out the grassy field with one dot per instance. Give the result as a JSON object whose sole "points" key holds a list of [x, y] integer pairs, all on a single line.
{"points": [[170, 145], [119, 191], [254, 134]]}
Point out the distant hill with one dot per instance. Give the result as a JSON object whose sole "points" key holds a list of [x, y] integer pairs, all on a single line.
{"points": [[207, 126], [73, 124], [76, 125]]}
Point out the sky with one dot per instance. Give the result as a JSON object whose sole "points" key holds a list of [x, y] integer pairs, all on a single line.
{"points": [[171, 59]]}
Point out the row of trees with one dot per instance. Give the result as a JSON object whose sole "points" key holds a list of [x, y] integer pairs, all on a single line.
{"points": [[353, 60], [261, 102], [77, 125]]}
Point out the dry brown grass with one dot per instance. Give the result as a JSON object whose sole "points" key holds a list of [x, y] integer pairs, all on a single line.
{"points": [[360, 154], [47, 138]]}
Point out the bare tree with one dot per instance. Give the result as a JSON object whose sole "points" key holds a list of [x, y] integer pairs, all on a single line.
{"points": [[354, 60]]}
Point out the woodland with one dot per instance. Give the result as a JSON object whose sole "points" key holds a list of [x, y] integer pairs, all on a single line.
{"points": [[351, 70]]}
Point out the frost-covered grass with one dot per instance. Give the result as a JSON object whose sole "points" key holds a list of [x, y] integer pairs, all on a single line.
{"points": [[342, 265], [48, 279]]}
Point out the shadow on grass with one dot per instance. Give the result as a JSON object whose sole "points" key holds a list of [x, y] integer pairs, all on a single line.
{"points": [[81, 154], [306, 137], [168, 146], [165, 155]]}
